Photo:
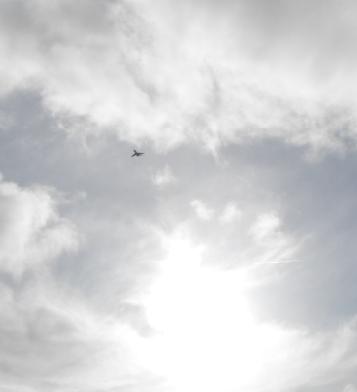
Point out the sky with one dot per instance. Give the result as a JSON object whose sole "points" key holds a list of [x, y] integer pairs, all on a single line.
{"points": [[224, 258]]}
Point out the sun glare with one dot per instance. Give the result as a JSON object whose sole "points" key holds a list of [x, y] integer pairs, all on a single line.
{"points": [[206, 336]]}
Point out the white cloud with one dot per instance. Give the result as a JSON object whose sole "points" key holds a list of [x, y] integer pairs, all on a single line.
{"points": [[49, 334], [266, 225], [202, 210], [164, 177], [170, 72], [62, 341], [31, 229], [267, 242], [349, 388], [230, 213], [245, 350]]}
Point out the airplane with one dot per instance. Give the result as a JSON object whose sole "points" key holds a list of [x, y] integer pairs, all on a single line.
{"points": [[137, 154]]}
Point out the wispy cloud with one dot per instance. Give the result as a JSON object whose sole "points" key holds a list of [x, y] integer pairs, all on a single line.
{"points": [[172, 73], [173, 272], [32, 232], [202, 210], [164, 177], [230, 213]]}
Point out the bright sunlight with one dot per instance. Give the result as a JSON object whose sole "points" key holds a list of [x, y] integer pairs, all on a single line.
{"points": [[207, 338]]}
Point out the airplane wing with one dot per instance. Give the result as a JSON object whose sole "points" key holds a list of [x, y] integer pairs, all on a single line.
{"points": [[137, 154]]}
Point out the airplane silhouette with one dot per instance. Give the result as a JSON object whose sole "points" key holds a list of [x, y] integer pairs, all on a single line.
{"points": [[137, 154]]}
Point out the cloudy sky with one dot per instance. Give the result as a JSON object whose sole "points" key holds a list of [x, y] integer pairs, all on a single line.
{"points": [[224, 259]]}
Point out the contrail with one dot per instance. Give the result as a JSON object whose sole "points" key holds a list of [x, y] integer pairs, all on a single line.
{"points": [[277, 262]]}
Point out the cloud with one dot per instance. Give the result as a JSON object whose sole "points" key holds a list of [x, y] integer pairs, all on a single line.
{"points": [[73, 339], [265, 226], [52, 337], [63, 344], [164, 177], [202, 210], [31, 230], [172, 73], [199, 73], [230, 213], [189, 320], [349, 388]]}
